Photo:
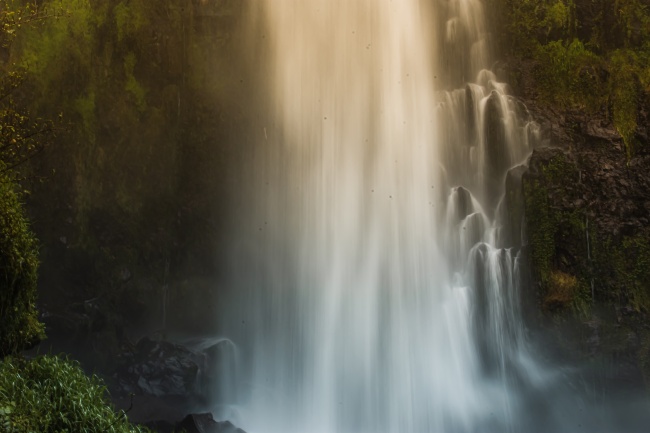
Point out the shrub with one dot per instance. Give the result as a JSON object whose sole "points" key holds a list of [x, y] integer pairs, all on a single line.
{"points": [[19, 326], [50, 394]]}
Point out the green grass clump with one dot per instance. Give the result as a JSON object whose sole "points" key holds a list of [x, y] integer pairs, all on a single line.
{"points": [[53, 395]]}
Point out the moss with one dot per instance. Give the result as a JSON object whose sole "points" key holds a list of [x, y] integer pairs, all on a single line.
{"points": [[556, 237], [625, 269], [568, 75], [567, 292], [130, 17], [543, 221], [559, 16], [85, 106], [531, 22], [132, 85], [561, 290], [634, 18], [624, 93], [541, 227]]}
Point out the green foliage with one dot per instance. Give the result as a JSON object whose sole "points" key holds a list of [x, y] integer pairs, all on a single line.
{"points": [[19, 327], [569, 75], [625, 67], [589, 54], [529, 23], [48, 51], [130, 16], [21, 136], [629, 262], [52, 395], [558, 16], [15, 14]]}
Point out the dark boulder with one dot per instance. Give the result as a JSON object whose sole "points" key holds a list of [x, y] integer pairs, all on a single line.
{"points": [[158, 368], [204, 423]]}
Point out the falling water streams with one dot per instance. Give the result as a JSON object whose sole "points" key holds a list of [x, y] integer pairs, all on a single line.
{"points": [[376, 283]]}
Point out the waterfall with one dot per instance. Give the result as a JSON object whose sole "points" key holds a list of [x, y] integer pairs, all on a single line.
{"points": [[373, 286]]}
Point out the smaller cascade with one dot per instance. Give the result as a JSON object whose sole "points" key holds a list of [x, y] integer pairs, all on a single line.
{"points": [[451, 30], [486, 132], [510, 210], [499, 333], [467, 225], [460, 205]]}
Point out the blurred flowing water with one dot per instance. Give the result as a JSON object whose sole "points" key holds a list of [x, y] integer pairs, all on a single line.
{"points": [[374, 278]]}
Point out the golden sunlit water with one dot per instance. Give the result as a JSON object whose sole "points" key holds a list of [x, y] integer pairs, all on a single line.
{"points": [[372, 290]]}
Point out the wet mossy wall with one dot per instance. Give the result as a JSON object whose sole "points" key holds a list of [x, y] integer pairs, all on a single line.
{"points": [[583, 69], [589, 253], [557, 234], [133, 197]]}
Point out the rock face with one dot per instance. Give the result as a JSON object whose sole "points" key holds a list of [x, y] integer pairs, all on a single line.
{"points": [[587, 209]]}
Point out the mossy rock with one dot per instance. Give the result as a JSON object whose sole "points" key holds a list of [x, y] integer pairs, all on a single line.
{"points": [[556, 231]]}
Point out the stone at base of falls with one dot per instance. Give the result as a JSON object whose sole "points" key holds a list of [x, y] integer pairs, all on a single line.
{"points": [[205, 423], [159, 368]]}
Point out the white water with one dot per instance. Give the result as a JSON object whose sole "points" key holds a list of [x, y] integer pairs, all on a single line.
{"points": [[374, 289]]}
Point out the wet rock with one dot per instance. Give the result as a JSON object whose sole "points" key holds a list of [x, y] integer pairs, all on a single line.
{"points": [[591, 226], [220, 370], [470, 116], [162, 415], [204, 423], [158, 368], [496, 154], [462, 203], [514, 205]]}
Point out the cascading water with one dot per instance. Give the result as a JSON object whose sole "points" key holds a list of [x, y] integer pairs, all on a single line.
{"points": [[374, 284]]}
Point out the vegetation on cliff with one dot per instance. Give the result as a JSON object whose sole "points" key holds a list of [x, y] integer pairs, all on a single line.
{"points": [[19, 326], [21, 137], [129, 199], [584, 69], [45, 394], [587, 55], [587, 229], [553, 230]]}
